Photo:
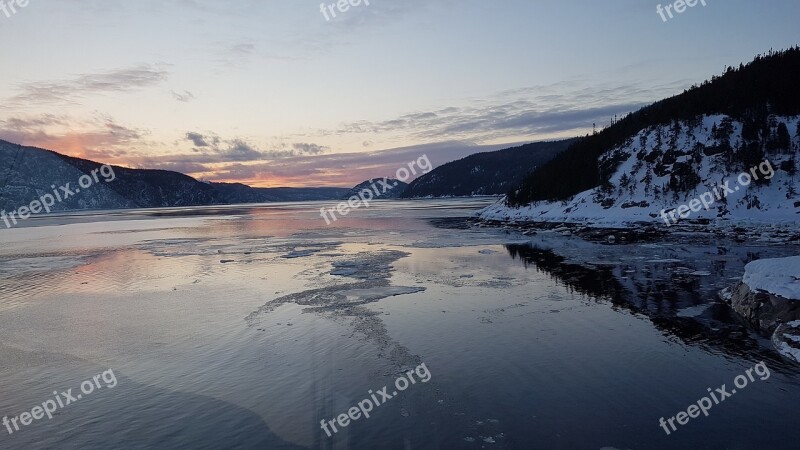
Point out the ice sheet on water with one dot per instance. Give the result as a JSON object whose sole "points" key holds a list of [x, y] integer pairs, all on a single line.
{"points": [[38, 264], [287, 248], [693, 311], [366, 265], [299, 253], [345, 302], [369, 295]]}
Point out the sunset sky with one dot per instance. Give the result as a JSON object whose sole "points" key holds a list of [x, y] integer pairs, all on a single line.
{"points": [[270, 93]]}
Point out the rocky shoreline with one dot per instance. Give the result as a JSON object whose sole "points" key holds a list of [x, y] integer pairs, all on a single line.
{"points": [[771, 307], [770, 314], [648, 231]]}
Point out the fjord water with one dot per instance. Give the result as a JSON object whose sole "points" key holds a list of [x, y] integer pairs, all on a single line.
{"points": [[244, 327]]}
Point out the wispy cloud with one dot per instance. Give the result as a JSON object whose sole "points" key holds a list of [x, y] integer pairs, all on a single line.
{"points": [[342, 169], [184, 96], [101, 138], [210, 148], [201, 141], [309, 149], [72, 90], [537, 112], [235, 54]]}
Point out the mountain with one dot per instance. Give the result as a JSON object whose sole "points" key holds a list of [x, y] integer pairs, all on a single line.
{"points": [[488, 173], [233, 193], [386, 188], [727, 149], [28, 173], [750, 94]]}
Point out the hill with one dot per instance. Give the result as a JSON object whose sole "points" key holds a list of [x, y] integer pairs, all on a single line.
{"points": [[487, 173], [29, 173], [386, 188], [733, 142], [749, 94]]}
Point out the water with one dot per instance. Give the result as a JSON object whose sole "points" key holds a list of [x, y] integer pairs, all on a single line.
{"points": [[244, 327]]}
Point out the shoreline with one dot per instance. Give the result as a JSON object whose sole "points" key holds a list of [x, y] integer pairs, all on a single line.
{"points": [[740, 231]]}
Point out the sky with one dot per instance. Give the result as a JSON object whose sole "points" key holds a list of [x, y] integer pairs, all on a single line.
{"points": [[274, 93]]}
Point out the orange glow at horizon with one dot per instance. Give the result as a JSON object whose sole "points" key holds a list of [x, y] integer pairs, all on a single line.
{"points": [[102, 148]]}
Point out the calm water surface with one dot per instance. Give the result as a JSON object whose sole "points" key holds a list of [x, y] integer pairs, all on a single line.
{"points": [[244, 327]]}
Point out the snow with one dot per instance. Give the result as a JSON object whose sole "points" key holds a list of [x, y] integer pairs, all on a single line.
{"points": [[789, 351], [631, 200], [693, 311], [792, 338], [778, 276]]}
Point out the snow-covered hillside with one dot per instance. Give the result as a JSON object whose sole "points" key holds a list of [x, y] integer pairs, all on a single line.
{"points": [[664, 167]]}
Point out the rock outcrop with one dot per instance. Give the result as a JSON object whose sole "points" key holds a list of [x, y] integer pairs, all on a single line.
{"points": [[767, 299]]}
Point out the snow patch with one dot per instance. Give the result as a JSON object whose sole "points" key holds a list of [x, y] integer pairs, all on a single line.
{"points": [[789, 351], [778, 276]]}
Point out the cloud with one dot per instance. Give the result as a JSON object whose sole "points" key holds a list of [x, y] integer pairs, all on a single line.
{"points": [[240, 150], [559, 109], [232, 55], [209, 153], [309, 149], [71, 90], [101, 138], [210, 148], [184, 97], [197, 139], [28, 123], [342, 169]]}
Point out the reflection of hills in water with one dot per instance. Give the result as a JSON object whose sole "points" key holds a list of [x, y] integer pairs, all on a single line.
{"points": [[675, 301], [599, 282]]}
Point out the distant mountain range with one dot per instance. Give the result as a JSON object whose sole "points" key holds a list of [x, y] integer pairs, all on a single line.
{"points": [[26, 173], [32, 172], [488, 173]]}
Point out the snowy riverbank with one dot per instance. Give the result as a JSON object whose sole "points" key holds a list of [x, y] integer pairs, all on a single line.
{"points": [[768, 297]]}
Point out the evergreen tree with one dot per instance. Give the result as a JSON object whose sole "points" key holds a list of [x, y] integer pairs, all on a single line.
{"points": [[784, 141], [750, 93]]}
